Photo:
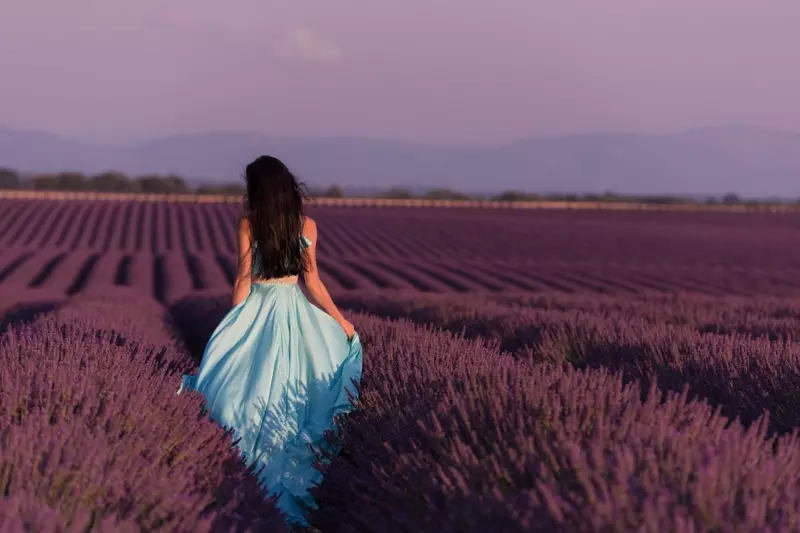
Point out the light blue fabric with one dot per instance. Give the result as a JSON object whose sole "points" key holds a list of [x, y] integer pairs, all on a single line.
{"points": [[278, 370]]}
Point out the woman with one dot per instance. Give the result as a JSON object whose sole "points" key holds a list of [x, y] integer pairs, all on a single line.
{"points": [[278, 369]]}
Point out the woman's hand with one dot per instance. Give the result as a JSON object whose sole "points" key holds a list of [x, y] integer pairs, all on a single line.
{"points": [[348, 328]]}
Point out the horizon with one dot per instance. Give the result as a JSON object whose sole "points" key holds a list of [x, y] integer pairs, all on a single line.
{"points": [[445, 142], [701, 161]]}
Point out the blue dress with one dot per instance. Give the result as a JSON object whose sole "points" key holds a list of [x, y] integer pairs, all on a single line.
{"points": [[278, 370]]}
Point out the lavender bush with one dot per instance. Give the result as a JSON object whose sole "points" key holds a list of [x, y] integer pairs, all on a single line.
{"points": [[453, 436], [760, 317], [196, 316], [20, 308], [90, 420], [744, 373], [578, 372], [25, 515]]}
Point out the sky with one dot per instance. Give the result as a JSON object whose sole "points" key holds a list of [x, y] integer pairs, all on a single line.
{"points": [[473, 71]]}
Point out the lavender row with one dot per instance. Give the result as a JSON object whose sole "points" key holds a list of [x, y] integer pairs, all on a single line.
{"points": [[91, 425], [768, 317], [23, 515], [452, 435], [166, 277], [594, 236], [764, 316], [432, 250], [722, 351]]}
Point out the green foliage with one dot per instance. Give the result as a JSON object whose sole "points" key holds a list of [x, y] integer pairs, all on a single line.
{"points": [[515, 196], [445, 194], [9, 179], [113, 182], [563, 197], [731, 199], [64, 181], [232, 189], [154, 184], [117, 182], [334, 191]]}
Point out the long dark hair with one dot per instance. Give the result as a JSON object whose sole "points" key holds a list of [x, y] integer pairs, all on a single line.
{"points": [[274, 205]]}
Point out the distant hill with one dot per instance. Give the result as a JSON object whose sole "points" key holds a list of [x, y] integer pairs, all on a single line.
{"points": [[749, 161]]}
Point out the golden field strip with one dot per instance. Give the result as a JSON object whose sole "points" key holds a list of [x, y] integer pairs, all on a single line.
{"points": [[389, 202]]}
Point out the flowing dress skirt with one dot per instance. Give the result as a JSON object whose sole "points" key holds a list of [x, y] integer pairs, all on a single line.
{"points": [[278, 370]]}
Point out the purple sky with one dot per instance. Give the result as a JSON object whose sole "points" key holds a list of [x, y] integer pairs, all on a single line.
{"points": [[464, 70]]}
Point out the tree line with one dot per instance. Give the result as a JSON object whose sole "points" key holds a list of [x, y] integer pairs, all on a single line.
{"points": [[109, 182], [118, 182]]}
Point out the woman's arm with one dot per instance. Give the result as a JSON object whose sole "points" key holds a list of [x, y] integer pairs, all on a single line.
{"points": [[241, 287], [315, 286]]}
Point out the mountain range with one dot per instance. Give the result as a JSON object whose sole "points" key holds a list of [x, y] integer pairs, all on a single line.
{"points": [[749, 161]]}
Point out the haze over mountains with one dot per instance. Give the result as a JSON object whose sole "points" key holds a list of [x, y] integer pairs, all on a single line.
{"points": [[749, 161]]}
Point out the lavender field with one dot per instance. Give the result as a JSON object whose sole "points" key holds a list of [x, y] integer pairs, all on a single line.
{"points": [[568, 371]]}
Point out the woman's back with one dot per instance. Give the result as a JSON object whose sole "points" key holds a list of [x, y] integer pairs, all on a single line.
{"points": [[275, 218], [278, 369], [260, 275]]}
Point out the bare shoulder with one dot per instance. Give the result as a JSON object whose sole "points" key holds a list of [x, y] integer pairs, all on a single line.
{"points": [[244, 225], [310, 228]]}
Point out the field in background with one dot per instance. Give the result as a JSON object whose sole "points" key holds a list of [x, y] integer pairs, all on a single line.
{"points": [[525, 370], [673, 205], [168, 250]]}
